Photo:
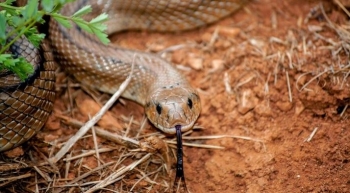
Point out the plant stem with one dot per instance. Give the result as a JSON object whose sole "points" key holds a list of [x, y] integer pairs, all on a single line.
{"points": [[31, 24], [10, 6]]}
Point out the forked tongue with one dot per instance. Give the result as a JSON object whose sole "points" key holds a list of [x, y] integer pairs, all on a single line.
{"points": [[179, 184]]}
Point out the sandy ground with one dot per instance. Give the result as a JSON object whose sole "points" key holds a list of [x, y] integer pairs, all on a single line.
{"points": [[273, 79]]}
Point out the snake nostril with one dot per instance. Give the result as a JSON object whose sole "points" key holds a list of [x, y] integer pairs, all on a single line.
{"points": [[189, 103], [159, 109]]}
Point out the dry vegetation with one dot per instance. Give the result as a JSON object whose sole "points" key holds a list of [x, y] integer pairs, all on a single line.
{"points": [[274, 82]]}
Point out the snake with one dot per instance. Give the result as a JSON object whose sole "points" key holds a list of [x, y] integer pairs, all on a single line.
{"points": [[168, 99]]}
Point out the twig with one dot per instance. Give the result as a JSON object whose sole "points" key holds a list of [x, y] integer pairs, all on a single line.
{"points": [[96, 146], [289, 88], [125, 141], [228, 87], [42, 174], [342, 113], [342, 7], [312, 134], [88, 153], [312, 79], [197, 145], [223, 136], [75, 180], [83, 130], [12, 179], [116, 175]]}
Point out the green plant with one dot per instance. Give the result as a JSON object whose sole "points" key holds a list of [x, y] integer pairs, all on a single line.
{"points": [[16, 22]]}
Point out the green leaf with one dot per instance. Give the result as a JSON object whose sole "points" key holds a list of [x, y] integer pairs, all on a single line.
{"points": [[16, 21], [34, 37], [47, 5], [99, 26], [22, 20], [3, 57], [102, 36], [19, 65], [9, 2], [99, 19], [23, 69], [10, 63], [9, 10], [83, 11], [31, 9], [2, 27], [63, 1], [83, 26], [57, 7], [66, 23]]}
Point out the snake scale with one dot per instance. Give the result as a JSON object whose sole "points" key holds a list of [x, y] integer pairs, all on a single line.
{"points": [[168, 99]]}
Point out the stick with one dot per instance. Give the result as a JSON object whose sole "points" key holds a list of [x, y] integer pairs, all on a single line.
{"points": [[84, 129]]}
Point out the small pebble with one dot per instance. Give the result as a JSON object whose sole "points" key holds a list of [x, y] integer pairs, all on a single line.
{"points": [[284, 106]]}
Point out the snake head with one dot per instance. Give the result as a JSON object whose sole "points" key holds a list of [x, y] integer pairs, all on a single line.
{"points": [[171, 106]]}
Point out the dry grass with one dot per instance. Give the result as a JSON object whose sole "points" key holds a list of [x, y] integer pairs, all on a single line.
{"points": [[144, 162]]}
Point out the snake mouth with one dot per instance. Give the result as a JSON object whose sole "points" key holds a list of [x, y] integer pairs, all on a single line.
{"points": [[172, 130]]}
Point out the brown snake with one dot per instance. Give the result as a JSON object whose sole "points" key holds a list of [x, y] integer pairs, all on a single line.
{"points": [[167, 97]]}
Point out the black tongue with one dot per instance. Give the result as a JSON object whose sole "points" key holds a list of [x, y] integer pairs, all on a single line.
{"points": [[179, 183]]}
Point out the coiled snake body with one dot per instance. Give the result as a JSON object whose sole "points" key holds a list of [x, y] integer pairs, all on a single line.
{"points": [[166, 95]]}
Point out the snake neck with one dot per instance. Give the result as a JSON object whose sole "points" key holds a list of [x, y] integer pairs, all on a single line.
{"points": [[168, 98], [105, 67]]}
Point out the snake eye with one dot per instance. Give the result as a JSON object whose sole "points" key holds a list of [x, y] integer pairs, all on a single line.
{"points": [[159, 109], [189, 103]]}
